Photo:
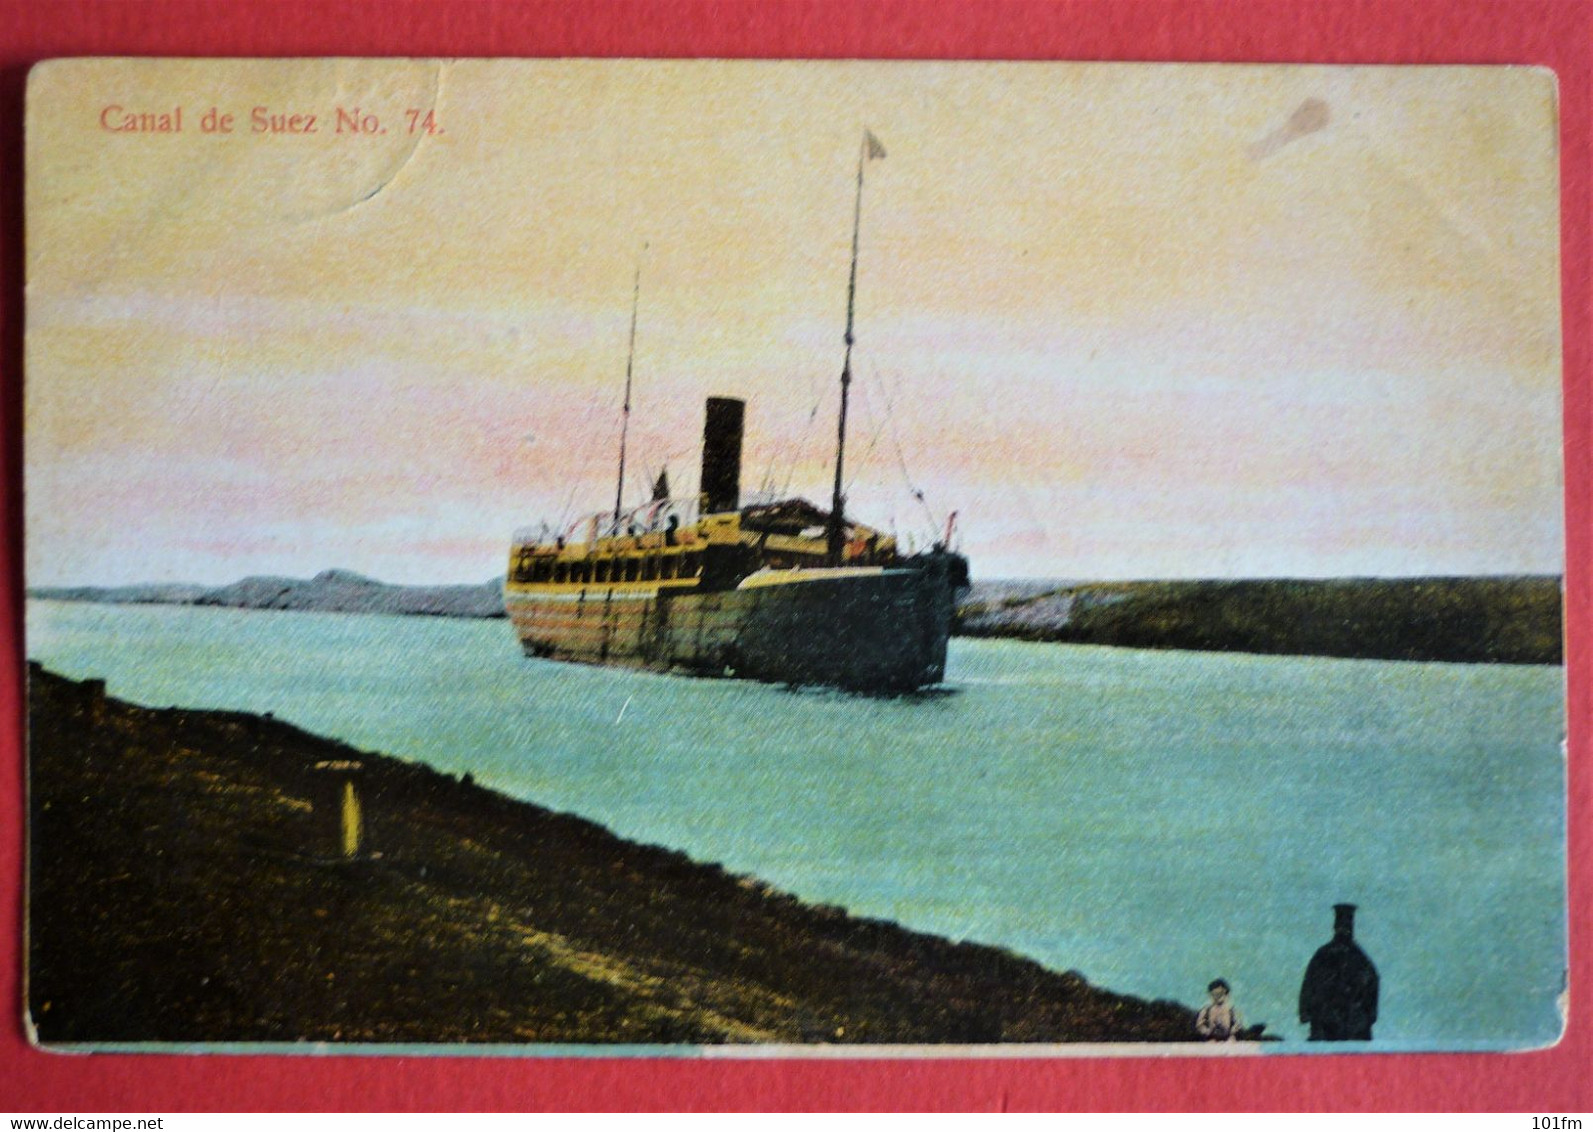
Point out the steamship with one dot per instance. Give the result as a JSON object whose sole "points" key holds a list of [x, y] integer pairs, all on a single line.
{"points": [[782, 592], [726, 590]]}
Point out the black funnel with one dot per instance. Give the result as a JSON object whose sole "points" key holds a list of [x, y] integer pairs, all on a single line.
{"points": [[721, 455]]}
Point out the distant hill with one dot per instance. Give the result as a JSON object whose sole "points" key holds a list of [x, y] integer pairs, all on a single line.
{"points": [[1509, 620], [331, 591], [145, 593]]}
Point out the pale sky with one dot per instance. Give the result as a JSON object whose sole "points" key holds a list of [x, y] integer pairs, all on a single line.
{"points": [[1129, 321]]}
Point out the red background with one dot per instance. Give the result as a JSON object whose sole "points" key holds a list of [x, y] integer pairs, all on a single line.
{"points": [[1557, 34]]}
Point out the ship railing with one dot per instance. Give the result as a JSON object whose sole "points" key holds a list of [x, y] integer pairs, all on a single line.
{"points": [[650, 518], [533, 536]]}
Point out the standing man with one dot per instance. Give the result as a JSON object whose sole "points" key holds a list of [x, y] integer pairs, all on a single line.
{"points": [[1338, 997]]}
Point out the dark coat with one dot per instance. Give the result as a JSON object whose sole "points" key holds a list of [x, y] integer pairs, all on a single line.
{"points": [[1338, 996]]}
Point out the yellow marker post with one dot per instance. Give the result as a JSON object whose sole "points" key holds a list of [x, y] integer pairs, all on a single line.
{"points": [[351, 819], [338, 798]]}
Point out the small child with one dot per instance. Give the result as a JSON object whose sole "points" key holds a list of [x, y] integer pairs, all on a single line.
{"points": [[1218, 1021]]}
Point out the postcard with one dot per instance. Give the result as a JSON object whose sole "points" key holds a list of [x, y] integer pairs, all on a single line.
{"points": [[822, 558]]}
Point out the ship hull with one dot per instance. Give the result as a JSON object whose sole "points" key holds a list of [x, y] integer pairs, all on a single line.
{"points": [[883, 630]]}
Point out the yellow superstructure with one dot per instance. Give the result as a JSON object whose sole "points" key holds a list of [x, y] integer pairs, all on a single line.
{"points": [[643, 562]]}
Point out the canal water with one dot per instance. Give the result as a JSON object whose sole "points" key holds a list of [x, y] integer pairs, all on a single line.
{"points": [[1152, 820]]}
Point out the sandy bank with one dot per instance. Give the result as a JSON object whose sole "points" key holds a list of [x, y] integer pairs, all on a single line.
{"points": [[186, 886]]}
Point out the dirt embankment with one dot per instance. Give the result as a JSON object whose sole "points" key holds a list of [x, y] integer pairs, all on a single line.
{"points": [[1505, 620], [185, 886]]}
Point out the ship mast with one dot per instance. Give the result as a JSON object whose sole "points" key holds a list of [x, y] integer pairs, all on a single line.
{"points": [[870, 148], [625, 419]]}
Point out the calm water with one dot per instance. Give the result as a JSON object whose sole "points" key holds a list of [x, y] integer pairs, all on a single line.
{"points": [[1150, 819]]}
